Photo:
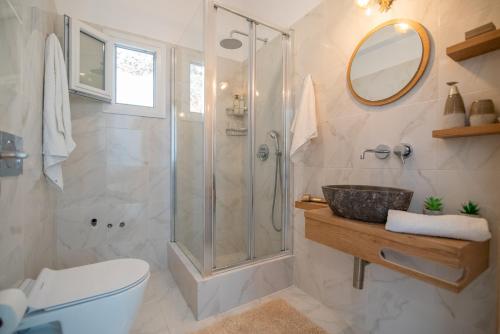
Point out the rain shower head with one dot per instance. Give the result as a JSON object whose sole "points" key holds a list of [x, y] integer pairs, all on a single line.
{"points": [[231, 43]]}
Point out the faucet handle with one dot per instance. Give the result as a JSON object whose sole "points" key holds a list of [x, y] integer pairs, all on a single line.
{"points": [[403, 151]]}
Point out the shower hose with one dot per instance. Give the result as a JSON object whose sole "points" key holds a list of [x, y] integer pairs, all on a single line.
{"points": [[277, 184]]}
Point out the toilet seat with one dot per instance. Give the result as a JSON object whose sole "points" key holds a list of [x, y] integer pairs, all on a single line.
{"points": [[54, 289]]}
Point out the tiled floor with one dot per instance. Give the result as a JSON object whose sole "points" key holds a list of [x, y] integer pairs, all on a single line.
{"points": [[164, 311]]}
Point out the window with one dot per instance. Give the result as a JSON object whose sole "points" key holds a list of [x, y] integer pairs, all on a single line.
{"points": [[134, 76], [196, 88], [128, 72], [139, 76], [92, 60], [90, 56]]}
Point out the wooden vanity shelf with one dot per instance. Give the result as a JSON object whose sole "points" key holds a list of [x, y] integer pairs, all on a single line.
{"points": [[469, 131], [310, 205], [367, 241], [475, 46]]}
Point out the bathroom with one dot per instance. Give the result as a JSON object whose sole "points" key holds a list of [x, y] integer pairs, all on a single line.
{"points": [[187, 199]]}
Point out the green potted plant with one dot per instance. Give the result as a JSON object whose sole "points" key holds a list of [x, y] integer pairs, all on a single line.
{"points": [[433, 206], [470, 209]]}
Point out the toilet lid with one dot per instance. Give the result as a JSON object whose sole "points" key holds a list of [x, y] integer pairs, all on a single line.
{"points": [[55, 288]]}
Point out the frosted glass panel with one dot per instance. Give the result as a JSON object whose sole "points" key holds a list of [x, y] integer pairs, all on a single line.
{"points": [[91, 61], [135, 82]]}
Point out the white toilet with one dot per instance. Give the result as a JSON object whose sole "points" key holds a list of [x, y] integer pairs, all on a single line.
{"points": [[97, 298]]}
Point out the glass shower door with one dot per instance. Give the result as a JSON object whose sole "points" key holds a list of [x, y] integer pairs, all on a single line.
{"points": [[249, 145], [188, 145], [269, 131], [231, 149]]}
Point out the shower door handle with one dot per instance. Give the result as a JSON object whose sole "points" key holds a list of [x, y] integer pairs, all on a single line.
{"points": [[214, 192]]}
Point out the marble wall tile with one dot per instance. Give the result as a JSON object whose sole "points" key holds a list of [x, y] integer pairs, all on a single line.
{"points": [[27, 229], [118, 173], [457, 169]]}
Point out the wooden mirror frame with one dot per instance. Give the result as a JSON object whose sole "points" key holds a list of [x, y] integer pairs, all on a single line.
{"points": [[424, 61]]}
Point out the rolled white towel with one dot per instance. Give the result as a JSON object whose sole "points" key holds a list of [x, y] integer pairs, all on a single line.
{"points": [[447, 226]]}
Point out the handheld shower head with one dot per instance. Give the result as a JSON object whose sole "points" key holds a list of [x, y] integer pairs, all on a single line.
{"points": [[276, 137]]}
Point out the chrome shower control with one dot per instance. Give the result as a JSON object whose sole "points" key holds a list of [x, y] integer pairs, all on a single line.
{"points": [[263, 152]]}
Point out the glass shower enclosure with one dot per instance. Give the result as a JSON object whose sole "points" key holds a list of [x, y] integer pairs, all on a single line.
{"points": [[230, 164]]}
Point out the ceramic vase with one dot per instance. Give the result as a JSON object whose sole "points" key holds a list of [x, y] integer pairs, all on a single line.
{"points": [[454, 109]]}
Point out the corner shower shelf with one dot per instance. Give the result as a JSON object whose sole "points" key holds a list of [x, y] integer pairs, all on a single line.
{"points": [[236, 132], [475, 46], [469, 131], [237, 112], [368, 241]]}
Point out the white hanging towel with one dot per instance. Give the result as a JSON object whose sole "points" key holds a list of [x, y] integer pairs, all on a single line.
{"points": [[57, 139], [447, 226], [305, 125]]}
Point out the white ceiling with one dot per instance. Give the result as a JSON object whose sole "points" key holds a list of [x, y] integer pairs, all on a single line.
{"points": [[180, 21]]}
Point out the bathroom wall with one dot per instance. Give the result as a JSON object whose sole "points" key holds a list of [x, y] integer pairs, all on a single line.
{"points": [[118, 173], [27, 231], [456, 169]]}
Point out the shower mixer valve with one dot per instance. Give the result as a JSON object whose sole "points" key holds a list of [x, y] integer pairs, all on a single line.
{"points": [[263, 152]]}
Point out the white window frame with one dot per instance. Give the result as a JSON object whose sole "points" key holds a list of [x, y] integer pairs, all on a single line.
{"points": [[160, 78], [75, 85]]}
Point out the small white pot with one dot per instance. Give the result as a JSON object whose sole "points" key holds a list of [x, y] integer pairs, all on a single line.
{"points": [[473, 216], [432, 213], [482, 119]]}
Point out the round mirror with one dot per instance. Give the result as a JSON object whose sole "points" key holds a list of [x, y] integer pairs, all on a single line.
{"points": [[388, 62]]}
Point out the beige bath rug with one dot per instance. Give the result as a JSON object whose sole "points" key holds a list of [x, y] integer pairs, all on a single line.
{"points": [[274, 317]]}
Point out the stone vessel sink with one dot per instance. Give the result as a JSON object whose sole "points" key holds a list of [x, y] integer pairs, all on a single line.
{"points": [[366, 203]]}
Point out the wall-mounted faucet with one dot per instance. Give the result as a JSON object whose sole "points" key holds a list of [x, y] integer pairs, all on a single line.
{"points": [[403, 151], [381, 152]]}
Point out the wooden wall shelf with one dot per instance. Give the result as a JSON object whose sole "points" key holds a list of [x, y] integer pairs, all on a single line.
{"points": [[367, 241], [469, 131], [475, 46]]}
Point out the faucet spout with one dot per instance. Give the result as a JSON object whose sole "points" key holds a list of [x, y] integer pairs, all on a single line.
{"points": [[381, 152]]}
